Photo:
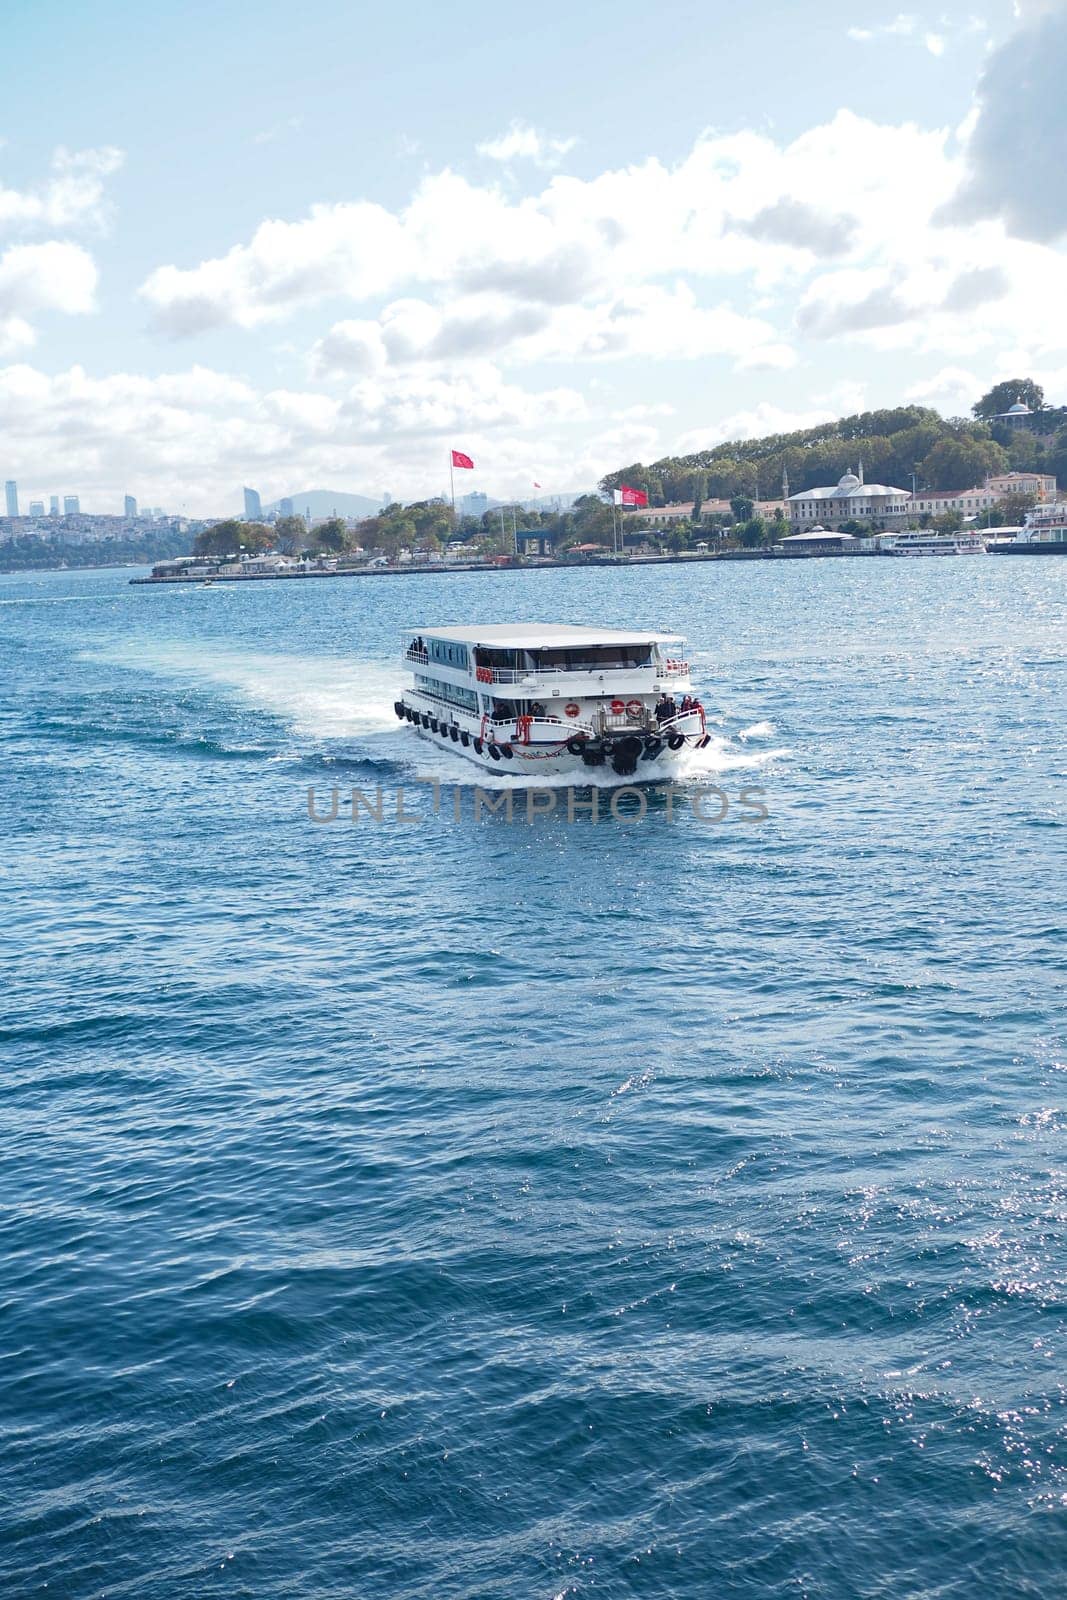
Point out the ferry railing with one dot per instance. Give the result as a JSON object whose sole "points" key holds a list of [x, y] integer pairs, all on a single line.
{"points": [[421, 656], [523, 674]]}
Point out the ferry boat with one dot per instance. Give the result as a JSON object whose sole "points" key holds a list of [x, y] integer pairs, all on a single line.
{"points": [[1044, 533], [935, 544], [551, 698]]}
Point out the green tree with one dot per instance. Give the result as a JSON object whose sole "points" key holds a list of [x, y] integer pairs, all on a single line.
{"points": [[1056, 456], [700, 489], [753, 532], [1004, 395], [331, 535], [256, 536], [961, 463], [1011, 511], [220, 539], [742, 507], [290, 535]]}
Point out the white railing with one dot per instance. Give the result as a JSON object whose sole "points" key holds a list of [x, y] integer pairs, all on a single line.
{"points": [[421, 656], [673, 669], [524, 674]]}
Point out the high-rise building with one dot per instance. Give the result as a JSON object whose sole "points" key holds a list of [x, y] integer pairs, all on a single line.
{"points": [[129, 506], [71, 505], [36, 508], [285, 508], [474, 505], [253, 505], [53, 505], [11, 492]]}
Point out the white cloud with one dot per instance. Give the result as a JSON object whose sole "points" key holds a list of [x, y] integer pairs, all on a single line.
{"points": [[1018, 145], [521, 142], [16, 335], [907, 25], [649, 321], [47, 277], [74, 194], [952, 391], [126, 428]]}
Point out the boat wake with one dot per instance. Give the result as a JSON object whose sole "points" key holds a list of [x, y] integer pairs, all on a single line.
{"points": [[345, 708]]}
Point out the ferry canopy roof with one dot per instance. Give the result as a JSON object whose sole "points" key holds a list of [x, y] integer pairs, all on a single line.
{"points": [[542, 636]]}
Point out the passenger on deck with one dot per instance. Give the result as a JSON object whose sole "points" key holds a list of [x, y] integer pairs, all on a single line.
{"points": [[666, 709], [536, 708]]}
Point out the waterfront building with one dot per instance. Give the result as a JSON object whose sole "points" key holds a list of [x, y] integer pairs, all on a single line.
{"points": [[1040, 484], [53, 505], [11, 494], [71, 505], [36, 508], [961, 503], [819, 541], [129, 506], [849, 500], [253, 505]]}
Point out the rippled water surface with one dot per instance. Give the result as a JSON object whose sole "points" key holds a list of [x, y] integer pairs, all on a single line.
{"points": [[632, 1207]]}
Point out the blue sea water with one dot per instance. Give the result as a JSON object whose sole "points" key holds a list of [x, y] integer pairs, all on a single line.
{"points": [[633, 1207]]}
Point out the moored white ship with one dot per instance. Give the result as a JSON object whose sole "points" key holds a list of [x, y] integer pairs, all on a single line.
{"points": [[1044, 533], [935, 544], [546, 699]]}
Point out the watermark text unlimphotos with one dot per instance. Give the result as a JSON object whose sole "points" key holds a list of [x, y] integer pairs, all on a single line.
{"points": [[626, 804]]}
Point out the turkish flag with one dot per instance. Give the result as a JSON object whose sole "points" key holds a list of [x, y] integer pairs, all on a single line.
{"points": [[632, 497], [460, 460]]}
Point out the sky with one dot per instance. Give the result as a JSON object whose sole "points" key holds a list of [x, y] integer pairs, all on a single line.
{"points": [[320, 246]]}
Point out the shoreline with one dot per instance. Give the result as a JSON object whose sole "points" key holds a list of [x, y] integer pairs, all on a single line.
{"points": [[443, 568]]}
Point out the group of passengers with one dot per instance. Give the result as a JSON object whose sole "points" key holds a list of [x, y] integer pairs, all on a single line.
{"points": [[667, 707]]}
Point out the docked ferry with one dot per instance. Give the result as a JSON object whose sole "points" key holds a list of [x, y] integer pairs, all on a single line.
{"points": [[1044, 533], [935, 544], [549, 699]]}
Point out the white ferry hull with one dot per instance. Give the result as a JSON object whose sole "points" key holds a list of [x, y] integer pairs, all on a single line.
{"points": [[648, 752]]}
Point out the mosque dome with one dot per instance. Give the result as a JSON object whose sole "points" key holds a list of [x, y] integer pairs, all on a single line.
{"points": [[1019, 409], [849, 481]]}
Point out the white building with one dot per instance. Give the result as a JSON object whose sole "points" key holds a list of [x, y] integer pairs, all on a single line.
{"points": [[850, 500], [959, 503], [1041, 484]]}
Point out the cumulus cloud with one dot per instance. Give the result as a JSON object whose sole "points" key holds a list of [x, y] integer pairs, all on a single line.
{"points": [[857, 302], [805, 227], [47, 277], [1018, 147], [125, 427], [522, 142], [573, 270], [72, 196]]}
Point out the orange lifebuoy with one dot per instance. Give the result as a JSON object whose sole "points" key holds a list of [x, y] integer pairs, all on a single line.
{"points": [[572, 708], [617, 708], [634, 707]]}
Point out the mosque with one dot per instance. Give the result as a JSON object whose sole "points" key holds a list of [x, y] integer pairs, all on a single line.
{"points": [[876, 505]]}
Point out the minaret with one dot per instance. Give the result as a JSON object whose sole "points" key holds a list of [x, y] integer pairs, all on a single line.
{"points": [[785, 482], [859, 473]]}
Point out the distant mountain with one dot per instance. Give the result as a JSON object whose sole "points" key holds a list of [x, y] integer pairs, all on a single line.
{"points": [[324, 502]]}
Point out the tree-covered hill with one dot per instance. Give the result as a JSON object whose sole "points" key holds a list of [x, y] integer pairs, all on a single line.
{"points": [[892, 445]]}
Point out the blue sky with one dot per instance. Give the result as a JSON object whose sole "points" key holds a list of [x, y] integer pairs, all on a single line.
{"points": [[313, 247]]}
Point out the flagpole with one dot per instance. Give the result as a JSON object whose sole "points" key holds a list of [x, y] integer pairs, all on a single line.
{"points": [[452, 481]]}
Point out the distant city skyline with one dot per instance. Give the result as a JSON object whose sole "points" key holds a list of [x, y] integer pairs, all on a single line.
{"points": [[621, 247]]}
